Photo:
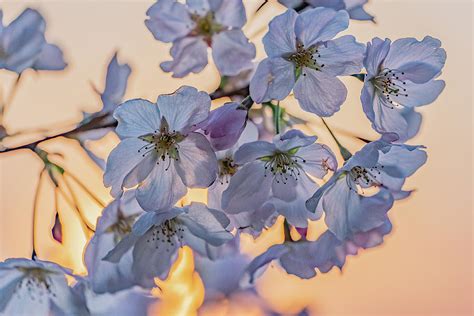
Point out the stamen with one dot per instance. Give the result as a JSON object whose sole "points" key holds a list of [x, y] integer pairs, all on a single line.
{"points": [[388, 83]]}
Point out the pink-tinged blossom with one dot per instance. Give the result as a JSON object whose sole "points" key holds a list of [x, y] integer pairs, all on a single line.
{"points": [[159, 151], [23, 44], [303, 57], [400, 77], [346, 198], [197, 25], [277, 174], [157, 236], [225, 125]]}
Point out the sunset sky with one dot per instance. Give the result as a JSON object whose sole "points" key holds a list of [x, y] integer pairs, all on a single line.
{"points": [[425, 264]]}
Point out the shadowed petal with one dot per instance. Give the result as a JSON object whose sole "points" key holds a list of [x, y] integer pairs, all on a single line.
{"points": [[189, 55], [232, 52], [273, 79], [162, 188], [197, 164], [319, 93]]}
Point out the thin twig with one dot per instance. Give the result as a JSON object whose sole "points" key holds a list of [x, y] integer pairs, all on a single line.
{"points": [[89, 192], [74, 207], [92, 125], [35, 203], [11, 96]]}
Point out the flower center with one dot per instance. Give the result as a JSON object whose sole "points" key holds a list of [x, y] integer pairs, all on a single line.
{"points": [[164, 143], [227, 169], [284, 165], [388, 83], [305, 57], [122, 227], [366, 177], [167, 235], [206, 26], [37, 283]]}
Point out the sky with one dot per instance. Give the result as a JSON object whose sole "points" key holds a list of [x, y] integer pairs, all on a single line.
{"points": [[424, 266]]}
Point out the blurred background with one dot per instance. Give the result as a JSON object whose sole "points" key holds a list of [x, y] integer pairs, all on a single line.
{"points": [[423, 268]]}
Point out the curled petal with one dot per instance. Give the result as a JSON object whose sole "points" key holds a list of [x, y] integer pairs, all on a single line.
{"points": [[189, 55]]}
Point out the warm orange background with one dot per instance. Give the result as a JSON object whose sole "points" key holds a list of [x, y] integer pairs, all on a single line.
{"points": [[425, 265]]}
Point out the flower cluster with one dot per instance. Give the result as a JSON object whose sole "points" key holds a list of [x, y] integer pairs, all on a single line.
{"points": [[252, 179]]}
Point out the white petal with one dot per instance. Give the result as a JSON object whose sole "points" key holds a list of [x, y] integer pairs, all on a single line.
{"points": [[137, 117], [121, 161], [184, 108], [162, 188], [197, 164]]}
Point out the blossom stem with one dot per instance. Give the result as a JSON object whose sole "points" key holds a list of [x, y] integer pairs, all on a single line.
{"points": [[9, 99], [96, 199], [277, 114], [35, 204], [346, 154]]}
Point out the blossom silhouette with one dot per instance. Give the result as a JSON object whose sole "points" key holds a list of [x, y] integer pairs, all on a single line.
{"points": [[401, 76], [159, 151], [194, 27], [295, 258], [23, 45], [303, 57]]}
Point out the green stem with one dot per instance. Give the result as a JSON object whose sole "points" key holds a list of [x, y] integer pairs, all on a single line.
{"points": [[346, 154], [277, 115]]}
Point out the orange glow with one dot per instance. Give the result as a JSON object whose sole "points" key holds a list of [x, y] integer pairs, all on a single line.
{"points": [[182, 292], [423, 268]]}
